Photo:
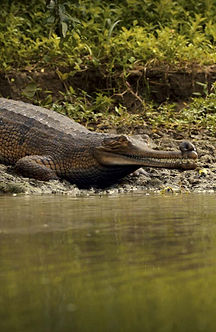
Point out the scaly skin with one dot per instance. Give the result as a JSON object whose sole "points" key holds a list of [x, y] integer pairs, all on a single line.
{"points": [[45, 145]]}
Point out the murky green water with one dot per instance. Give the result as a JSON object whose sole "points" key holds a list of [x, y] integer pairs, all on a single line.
{"points": [[125, 263]]}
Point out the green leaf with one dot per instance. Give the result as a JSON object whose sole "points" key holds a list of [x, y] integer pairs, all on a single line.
{"points": [[112, 28], [64, 28], [51, 19], [30, 90]]}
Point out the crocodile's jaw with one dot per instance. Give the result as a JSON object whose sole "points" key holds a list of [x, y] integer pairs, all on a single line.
{"points": [[127, 151], [159, 159]]}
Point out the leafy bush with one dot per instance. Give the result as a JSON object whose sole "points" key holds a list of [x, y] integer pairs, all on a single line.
{"points": [[115, 37], [119, 33]]}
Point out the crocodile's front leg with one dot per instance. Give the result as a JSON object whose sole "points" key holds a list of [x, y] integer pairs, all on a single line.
{"points": [[37, 167]]}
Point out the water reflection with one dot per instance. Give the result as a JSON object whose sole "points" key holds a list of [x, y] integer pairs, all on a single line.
{"points": [[125, 263]]}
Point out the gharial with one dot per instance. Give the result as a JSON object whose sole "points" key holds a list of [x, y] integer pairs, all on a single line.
{"points": [[45, 145]]}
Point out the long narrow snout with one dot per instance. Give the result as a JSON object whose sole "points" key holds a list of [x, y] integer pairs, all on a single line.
{"points": [[141, 155]]}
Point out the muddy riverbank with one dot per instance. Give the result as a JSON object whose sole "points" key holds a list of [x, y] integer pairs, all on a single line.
{"points": [[149, 180]]}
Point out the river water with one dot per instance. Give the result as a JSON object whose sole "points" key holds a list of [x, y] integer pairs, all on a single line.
{"points": [[99, 264]]}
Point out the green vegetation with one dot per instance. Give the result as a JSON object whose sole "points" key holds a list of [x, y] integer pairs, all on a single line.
{"points": [[115, 34], [199, 114], [191, 117], [114, 39], [11, 188]]}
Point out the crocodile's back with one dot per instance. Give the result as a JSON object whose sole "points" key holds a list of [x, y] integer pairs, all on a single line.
{"points": [[44, 116], [27, 130]]}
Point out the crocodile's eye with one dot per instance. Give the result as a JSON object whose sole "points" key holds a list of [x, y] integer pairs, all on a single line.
{"points": [[116, 141], [122, 139]]}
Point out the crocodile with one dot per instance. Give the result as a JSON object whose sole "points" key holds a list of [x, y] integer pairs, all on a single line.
{"points": [[46, 145]]}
